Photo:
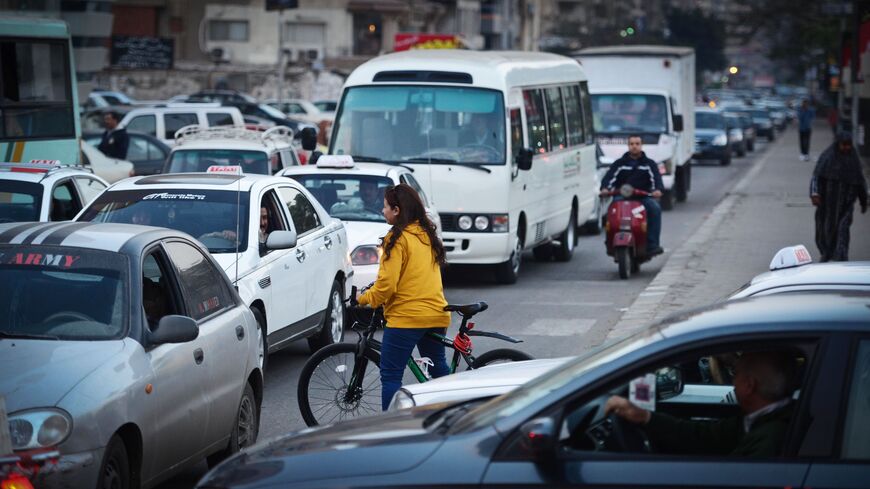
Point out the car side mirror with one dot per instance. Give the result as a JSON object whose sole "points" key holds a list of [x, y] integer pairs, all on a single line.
{"points": [[669, 383], [281, 240], [539, 438], [309, 138], [678, 123], [524, 159], [174, 329]]}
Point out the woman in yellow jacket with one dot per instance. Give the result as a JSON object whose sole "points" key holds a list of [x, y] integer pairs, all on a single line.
{"points": [[409, 288]]}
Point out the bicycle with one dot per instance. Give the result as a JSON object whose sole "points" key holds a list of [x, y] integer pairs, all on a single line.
{"points": [[346, 377]]}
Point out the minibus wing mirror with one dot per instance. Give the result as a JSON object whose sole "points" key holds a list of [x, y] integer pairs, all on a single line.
{"points": [[524, 159]]}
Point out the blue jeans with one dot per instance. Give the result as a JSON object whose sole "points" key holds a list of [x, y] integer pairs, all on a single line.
{"points": [[396, 348], [653, 221]]}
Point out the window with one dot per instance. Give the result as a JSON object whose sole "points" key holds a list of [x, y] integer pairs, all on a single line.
{"points": [[141, 149], [304, 33], [157, 297], [305, 218], [35, 94], [416, 186], [143, 123], [89, 188], [199, 160], [64, 203], [574, 114], [516, 133], [174, 122], [348, 197], [856, 438], [219, 119], [204, 288], [294, 109], [19, 201], [228, 30], [536, 120], [556, 119]]}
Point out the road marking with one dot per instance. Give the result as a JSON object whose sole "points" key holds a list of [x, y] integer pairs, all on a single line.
{"points": [[576, 304], [559, 327]]}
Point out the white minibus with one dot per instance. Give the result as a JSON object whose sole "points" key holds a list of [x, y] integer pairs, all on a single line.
{"points": [[501, 141]]}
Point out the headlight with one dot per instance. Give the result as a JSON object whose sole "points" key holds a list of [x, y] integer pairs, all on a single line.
{"points": [[464, 223], [720, 140], [401, 400], [500, 223], [481, 223], [39, 429], [366, 255], [737, 134]]}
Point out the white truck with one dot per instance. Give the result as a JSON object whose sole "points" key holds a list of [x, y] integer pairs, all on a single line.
{"points": [[650, 91]]}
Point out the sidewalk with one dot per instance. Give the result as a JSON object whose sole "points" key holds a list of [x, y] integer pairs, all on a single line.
{"points": [[766, 210]]}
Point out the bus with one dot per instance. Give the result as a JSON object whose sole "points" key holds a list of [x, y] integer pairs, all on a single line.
{"points": [[502, 142], [38, 99]]}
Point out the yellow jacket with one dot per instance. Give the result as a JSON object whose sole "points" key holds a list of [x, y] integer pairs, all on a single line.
{"points": [[409, 283]]}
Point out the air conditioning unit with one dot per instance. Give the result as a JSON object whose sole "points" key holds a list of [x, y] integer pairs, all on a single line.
{"points": [[305, 55], [221, 55]]}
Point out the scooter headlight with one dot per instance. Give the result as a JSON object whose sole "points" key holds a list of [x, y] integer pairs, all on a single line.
{"points": [[626, 190]]}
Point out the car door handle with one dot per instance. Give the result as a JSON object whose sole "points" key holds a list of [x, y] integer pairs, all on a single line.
{"points": [[300, 256], [328, 242], [240, 332], [198, 356]]}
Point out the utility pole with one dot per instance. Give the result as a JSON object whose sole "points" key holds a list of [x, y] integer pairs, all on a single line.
{"points": [[280, 94]]}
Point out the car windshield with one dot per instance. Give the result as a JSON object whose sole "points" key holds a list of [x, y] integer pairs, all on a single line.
{"points": [[538, 388], [349, 197], [626, 113], [326, 106], [211, 216], [422, 124], [48, 292], [198, 160], [708, 120], [19, 201]]}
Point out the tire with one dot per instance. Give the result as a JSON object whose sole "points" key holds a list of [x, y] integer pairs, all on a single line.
{"points": [[499, 356], [507, 272], [543, 252], [667, 200], [772, 137], [635, 264], [596, 225], [751, 145], [332, 329], [115, 468], [681, 189], [324, 379], [741, 151], [263, 349], [246, 428], [623, 259], [725, 160], [565, 250]]}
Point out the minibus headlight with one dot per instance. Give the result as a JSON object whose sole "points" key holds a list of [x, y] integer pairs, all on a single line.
{"points": [[500, 223], [464, 223], [481, 223]]}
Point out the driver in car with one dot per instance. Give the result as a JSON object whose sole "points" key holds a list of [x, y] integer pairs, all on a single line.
{"points": [[763, 385], [372, 199]]}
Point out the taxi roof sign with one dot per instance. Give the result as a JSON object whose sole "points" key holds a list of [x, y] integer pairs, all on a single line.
{"points": [[226, 169], [335, 161], [45, 162], [791, 256], [32, 167]]}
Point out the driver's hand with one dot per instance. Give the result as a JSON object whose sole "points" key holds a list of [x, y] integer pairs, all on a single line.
{"points": [[604, 192], [656, 194], [228, 235], [626, 410]]}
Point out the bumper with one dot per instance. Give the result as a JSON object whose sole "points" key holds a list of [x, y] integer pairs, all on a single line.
{"points": [[710, 152], [72, 471], [477, 248]]}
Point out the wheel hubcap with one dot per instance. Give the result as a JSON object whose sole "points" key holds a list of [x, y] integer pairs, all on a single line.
{"points": [[111, 476], [246, 423], [336, 318], [261, 349], [517, 257]]}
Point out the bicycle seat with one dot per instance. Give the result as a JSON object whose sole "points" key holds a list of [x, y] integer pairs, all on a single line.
{"points": [[467, 309]]}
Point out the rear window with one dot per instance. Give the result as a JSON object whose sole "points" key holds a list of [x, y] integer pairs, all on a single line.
{"points": [[707, 120], [211, 216], [198, 160], [19, 201], [48, 292]]}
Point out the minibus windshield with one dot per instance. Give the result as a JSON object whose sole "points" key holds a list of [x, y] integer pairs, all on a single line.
{"points": [[422, 124]]}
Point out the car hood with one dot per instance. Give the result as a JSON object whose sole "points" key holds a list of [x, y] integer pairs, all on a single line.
{"points": [[384, 444], [364, 233], [39, 373], [507, 375], [707, 134]]}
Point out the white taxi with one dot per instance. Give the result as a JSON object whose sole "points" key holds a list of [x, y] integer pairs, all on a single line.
{"points": [[290, 262], [354, 193], [46, 191]]}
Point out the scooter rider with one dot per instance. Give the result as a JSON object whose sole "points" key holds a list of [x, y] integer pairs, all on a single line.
{"points": [[642, 173]]}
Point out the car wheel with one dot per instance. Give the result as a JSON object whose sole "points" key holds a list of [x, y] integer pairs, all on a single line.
{"points": [[667, 200], [332, 329], [262, 340], [681, 185], [246, 427], [115, 469], [594, 226], [565, 250], [507, 272], [725, 160]]}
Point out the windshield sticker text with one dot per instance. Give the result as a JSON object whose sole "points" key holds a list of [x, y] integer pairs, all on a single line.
{"points": [[208, 305], [168, 196], [46, 260]]}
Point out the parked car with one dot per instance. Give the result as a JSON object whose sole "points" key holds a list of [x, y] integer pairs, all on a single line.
{"points": [[106, 98], [255, 152], [272, 115], [711, 136], [45, 192], [327, 106], [354, 193], [294, 275], [554, 431], [126, 349], [146, 152], [164, 122], [106, 167], [300, 109], [220, 96]]}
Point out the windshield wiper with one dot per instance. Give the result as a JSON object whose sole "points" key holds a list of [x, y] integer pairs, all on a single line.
{"points": [[27, 336], [448, 161], [373, 159]]}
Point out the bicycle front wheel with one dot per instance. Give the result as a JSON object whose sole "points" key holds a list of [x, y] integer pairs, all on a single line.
{"points": [[501, 355], [325, 392]]}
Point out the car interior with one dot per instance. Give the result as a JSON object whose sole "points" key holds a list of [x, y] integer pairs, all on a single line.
{"points": [[157, 298]]}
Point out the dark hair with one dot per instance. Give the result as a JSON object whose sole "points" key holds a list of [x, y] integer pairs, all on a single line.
{"points": [[635, 136], [115, 115], [411, 210]]}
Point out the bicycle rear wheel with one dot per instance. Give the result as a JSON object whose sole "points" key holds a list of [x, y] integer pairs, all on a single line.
{"points": [[324, 390], [500, 355]]}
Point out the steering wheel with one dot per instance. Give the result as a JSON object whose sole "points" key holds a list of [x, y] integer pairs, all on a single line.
{"points": [[625, 436], [73, 315]]}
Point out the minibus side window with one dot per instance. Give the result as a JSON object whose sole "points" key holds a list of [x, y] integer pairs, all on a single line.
{"points": [[556, 119], [574, 115], [516, 133], [586, 102], [536, 120]]}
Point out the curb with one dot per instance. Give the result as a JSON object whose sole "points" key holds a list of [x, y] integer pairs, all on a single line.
{"points": [[677, 270]]}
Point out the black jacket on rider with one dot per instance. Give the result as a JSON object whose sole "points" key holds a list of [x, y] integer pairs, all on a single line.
{"points": [[642, 174]]}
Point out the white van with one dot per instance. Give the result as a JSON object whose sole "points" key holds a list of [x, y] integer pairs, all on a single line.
{"points": [[502, 142], [163, 122]]}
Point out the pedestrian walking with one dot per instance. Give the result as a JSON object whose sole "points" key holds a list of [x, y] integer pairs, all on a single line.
{"points": [[806, 114], [115, 140], [838, 181]]}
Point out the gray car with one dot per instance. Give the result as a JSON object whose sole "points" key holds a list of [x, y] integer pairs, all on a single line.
{"points": [[125, 348]]}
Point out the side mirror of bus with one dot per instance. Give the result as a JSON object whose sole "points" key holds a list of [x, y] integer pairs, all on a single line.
{"points": [[678, 123], [309, 138], [524, 159]]}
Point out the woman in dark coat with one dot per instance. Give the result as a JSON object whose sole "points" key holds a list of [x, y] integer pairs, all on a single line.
{"points": [[838, 181]]}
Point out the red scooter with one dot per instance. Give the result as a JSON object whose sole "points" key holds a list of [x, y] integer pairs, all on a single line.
{"points": [[626, 230]]}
